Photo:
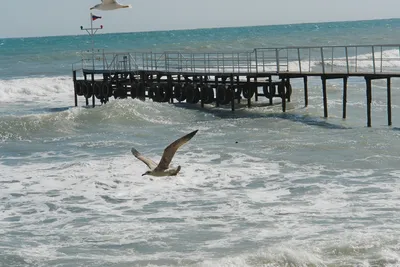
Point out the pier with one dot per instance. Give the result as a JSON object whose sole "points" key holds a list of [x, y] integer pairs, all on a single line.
{"points": [[227, 78]]}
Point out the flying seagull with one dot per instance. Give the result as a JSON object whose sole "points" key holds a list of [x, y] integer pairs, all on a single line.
{"points": [[109, 5], [163, 169]]}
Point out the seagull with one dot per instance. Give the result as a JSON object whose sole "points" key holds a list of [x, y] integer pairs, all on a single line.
{"points": [[109, 5], [163, 169]]}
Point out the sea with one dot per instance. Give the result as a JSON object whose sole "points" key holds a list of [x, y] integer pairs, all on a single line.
{"points": [[258, 187]]}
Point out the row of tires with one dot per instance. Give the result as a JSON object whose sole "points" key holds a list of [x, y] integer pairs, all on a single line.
{"points": [[181, 92]]}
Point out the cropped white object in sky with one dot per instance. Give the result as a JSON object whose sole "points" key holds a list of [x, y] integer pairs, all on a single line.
{"points": [[109, 5]]}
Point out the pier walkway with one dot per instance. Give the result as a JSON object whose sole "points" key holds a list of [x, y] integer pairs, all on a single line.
{"points": [[226, 77]]}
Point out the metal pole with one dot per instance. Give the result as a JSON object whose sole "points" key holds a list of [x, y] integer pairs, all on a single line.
{"points": [[91, 35]]}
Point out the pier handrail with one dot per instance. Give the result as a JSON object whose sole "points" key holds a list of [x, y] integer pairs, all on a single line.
{"points": [[300, 59]]}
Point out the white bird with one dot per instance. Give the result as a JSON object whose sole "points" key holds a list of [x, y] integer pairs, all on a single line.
{"points": [[109, 5], [163, 169]]}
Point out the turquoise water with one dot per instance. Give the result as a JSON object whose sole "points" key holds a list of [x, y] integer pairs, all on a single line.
{"points": [[52, 56], [258, 187]]}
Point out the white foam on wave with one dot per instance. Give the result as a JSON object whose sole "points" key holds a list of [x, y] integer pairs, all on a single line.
{"points": [[104, 209], [57, 89]]}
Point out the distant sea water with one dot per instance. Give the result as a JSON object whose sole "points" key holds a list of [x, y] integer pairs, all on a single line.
{"points": [[258, 187]]}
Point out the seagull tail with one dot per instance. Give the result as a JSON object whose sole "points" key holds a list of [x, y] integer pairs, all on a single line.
{"points": [[135, 152]]}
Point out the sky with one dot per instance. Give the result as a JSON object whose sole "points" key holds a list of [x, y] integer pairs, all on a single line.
{"points": [[28, 18]]}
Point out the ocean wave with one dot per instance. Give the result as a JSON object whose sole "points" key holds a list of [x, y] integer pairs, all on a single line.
{"points": [[37, 89], [124, 113]]}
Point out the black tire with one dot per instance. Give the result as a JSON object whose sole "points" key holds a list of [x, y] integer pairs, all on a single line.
{"points": [[97, 90], [192, 94], [78, 87], [179, 92], [224, 95], [248, 91], [269, 90], [134, 89], [162, 94], [87, 90], [208, 94]]}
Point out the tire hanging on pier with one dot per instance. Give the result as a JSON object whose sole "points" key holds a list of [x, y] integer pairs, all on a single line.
{"points": [[97, 90], [248, 91], [121, 91], [287, 87], [78, 87], [134, 89], [269, 90], [87, 90], [179, 92], [224, 95], [141, 90], [106, 89], [236, 90], [207, 94], [192, 94], [162, 93]]}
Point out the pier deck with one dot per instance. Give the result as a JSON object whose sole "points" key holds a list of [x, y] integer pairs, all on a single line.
{"points": [[223, 77]]}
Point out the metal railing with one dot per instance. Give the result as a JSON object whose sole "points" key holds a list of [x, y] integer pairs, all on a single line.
{"points": [[304, 59]]}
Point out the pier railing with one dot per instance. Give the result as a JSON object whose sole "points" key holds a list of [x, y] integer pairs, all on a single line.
{"points": [[304, 59]]}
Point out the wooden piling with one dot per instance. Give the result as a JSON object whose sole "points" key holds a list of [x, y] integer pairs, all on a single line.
{"points": [[233, 93], [255, 90], [238, 86], [325, 99], [344, 97], [216, 91], [369, 100], [170, 89], [93, 96], [271, 102], [305, 80], [249, 91], [389, 101], [283, 95], [75, 93], [201, 92]]}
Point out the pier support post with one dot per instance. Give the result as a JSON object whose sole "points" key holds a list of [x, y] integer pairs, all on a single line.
{"points": [[369, 100], [86, 99], [270, 90], [238, 86], [233, 94], [75, 95], [216, 91], [170, 89], [325, 97], [344, 97], [249, 91], [180, 86], [201, 92], [283, 95], [255, 89], [305, 80], [93, 96], [389, 101]]}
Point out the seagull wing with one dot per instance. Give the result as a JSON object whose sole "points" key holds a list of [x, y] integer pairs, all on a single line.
{"points": [[108, 2], [151, 164], [170, 150]]}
